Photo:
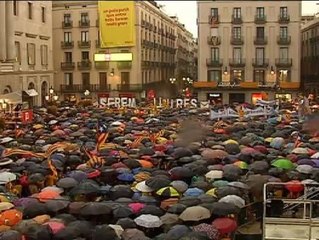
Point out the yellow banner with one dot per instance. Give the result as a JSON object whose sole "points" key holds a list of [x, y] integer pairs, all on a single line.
{"points": [[117, 23]]}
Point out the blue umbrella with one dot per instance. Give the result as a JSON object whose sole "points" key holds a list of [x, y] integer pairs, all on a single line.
{"points": [[193, 192], [78, 175], [127, 177]]}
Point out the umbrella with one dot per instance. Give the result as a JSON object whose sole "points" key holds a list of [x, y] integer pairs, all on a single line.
{"points": [[167, 192], [305, 169], [126, 177], [142, 187], [122, 212], [210, 230], [10, 217], [294, 186], [235, 200], [259, 167], [300, 150], [55, 226], [169, 219], [148, 221], [57, 204], [177, 208], [5, 206], [67, 182], [195, 213], [95, 209], [224, 209], [214, 174], [178, 173], [6, 177], [241, 164], [134, 234], [283, 163], [177, 231], [136, 207], [238, 185], [157, 183], [179, 185], [195, 192], [225, 225], [153, 210], [126, 223], [86, 187]]}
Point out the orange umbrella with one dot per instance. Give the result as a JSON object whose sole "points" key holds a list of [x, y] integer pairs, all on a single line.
{"points": [[146, 164], [167, 203], [47, 195], [10, 217]]}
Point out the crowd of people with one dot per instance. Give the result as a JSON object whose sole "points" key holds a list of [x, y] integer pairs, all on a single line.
{"points": [[90, 173]]}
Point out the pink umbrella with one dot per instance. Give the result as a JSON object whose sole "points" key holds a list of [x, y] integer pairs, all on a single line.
{"points": [[136, 207], [248, 151], [55, 226]]}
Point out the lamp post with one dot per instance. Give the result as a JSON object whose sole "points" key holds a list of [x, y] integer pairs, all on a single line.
{"points": [[4, 105], [51, 97], [86, 94], [172, 80]]}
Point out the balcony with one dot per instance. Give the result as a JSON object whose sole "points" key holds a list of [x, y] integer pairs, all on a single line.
{"points": [[236, 19], [265, 84], [67, 65], [213, 40], [129, 87], [213, 20], [283, 18], [283, 62], [67, 45], [84, 24], [284, 40], [124, 65], [84, 65], [80, 88], [68, 24], [214, 62], [260, 40], [86, 44], [102, 65], [260, 62], [237, 40], [237, 62], [260, 19]]}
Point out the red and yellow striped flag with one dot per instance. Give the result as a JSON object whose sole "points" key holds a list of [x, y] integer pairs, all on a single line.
{"points": [[101, 140], [52, 168], [94, 160]]}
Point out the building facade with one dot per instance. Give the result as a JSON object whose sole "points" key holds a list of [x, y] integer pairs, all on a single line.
{"points": [[26, 49], [248, 50], [310, 56], [76, 40]]}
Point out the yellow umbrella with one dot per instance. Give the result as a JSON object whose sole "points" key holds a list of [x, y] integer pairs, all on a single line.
{"points": [[38, 126], [231, 141], [212, 192], [269, 139]]}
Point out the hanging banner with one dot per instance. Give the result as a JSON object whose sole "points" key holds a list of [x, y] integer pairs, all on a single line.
{"points": [[26, 116], [260, 111], [223, 113], [260, 102], [117, 23]]}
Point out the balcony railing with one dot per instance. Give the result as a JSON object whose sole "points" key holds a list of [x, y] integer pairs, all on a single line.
{"points": [[260, 62], [68, 24], [67, 65], [283, 40], [260, 40], [260, 19], [124, 65], [85, 23], [84, 44], [283, 18], [237, 62], [214, 62], [129, 87], [102, 65], [265, 84], [237, 40], [67, 45], [80, 88], [236, 19], [213, 40], [284, 62], [84, 65], [213, 20]]}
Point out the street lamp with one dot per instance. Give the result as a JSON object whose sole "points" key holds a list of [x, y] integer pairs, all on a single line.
{"points": [[86, 93], [172, 80], [51, 97], [272, 71]]}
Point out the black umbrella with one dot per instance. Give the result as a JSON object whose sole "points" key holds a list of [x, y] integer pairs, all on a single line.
{"points": [[181, 173], [67, 182], [177, 208], [121, 191], [189, 201], [228, 190], [85, 187], [104, 232], [153, 210], [157, 183], [34, 209], [82, 228], [126, 223], [122, 212], [56, 205], [224, 209], [66, 218], [131, 163], [11, 235], [36, 177], [95, 209], [259, 167]]}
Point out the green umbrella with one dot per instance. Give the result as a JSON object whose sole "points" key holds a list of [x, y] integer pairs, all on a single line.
{"points": [[283, 163]]}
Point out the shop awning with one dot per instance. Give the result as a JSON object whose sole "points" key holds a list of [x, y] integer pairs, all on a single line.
{"points": [[31, 92], [12, 98]]}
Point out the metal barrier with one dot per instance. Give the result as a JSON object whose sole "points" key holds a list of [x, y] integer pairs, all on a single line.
{"points": [[291, 217]]}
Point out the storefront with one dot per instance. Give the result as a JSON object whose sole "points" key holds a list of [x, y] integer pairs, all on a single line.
{"points": [[284, 97], [215, 98], [236, 98]]}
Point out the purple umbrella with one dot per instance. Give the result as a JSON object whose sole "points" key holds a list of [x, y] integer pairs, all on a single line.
{"points": [[24, 202], [78, 175], [316, 163], [306, 162]]}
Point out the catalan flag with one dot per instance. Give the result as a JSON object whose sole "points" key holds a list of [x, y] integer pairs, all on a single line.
{"points": [[137, 142], [52, 168], [18, 131], [15, 151], [94, 160], [155, 136], [102, 135], [55, 147]]}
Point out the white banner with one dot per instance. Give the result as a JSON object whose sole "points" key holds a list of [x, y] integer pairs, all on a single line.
{"points": [[260, 111], [260, 102], [225, 113]]}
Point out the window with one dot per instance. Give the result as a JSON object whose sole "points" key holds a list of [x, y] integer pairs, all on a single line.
{"points": [[15, 7], [237, 32], [67, 18], [283, 53], [125, 78], [214, 76], [43, 14], [283, 32], [44, 55], [18, 52], [237, 13], [68, 57], [68, 78], [84, 17], [283, 75], [84, 36], [283, 12], [85, 56], [259, 77], [31, 53], [215, 54], [260, 54], [237, 76], [103, 79], [237, 55], [67, 37], [29, 10], [260, 32], [86, 80], [214, 12], [260, 12]]}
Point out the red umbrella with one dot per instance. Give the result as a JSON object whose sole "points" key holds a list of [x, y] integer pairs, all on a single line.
{"points": [[294, 186], [225, 225]]}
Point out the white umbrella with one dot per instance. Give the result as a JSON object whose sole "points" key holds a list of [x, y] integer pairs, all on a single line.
{"points": [[6, 140], [214, 174], [233, 199], [316, 155], [148, 221], [195, 213], [300, 150], [6, 177], [52, 122], [306, 169], [142, 187]]}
